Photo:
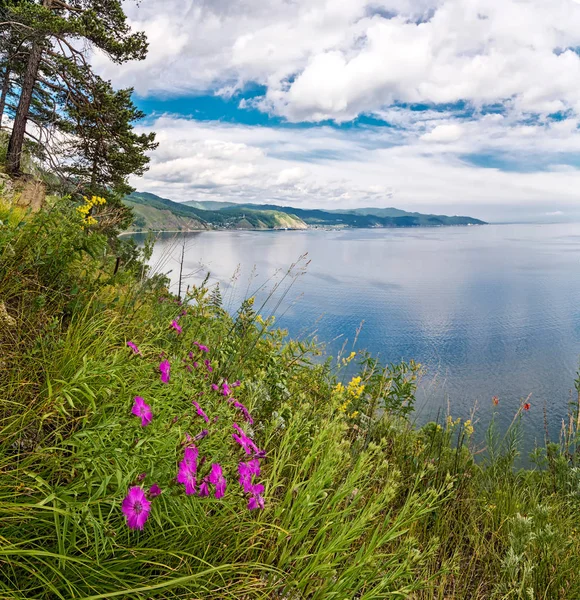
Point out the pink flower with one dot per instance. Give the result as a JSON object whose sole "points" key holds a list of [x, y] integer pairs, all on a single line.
{"points": [[136, 508], [141, 476], [154, 491], [247, 471], [203, 489], [190, 458], [165, 369], [208, 365], [217, 478], [201, 347], [187, 477], [245, 442], [140, 409], [255, 502], [195, 365], [215, 387], [176, 326], [188, 469], [200, 411], [244, 411], [203, 433], [237, 383], [226, 391], [133, 347]]}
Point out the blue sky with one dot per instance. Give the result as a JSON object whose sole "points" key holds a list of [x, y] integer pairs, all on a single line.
{"points": [[455, 106]]}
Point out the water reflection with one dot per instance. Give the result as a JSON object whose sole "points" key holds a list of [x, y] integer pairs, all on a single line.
{"points": [[489, 310]]}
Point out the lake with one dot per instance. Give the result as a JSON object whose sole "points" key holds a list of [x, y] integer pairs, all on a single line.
{"points": [[490, 311]]}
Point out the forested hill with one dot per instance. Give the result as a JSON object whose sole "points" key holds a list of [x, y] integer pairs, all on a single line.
{"points": [[154, 212]]}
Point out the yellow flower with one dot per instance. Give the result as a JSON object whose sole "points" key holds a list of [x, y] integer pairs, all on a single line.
{"points": [[468, 427], [355, 387], [338, 388], [346, 360], [342, 408]]}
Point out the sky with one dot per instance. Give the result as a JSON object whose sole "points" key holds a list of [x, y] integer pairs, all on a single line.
{"points": [[467, 107]]}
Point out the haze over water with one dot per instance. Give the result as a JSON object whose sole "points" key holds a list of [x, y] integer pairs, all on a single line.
{"points": [[490, 310]]}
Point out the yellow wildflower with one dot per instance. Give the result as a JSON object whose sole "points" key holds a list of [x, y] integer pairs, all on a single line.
{"points": [[346, 360], [355, 387], [338, 388], [468, 427]]}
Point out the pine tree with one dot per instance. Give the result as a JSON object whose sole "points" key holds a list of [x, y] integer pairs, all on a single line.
{"points": [[105, 148], [53, 29]]}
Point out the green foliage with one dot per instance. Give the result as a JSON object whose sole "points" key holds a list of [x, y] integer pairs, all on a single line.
{"points": [[358, 502]]}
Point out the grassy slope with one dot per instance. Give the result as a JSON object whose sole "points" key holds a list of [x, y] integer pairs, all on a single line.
{"points": [[358, 503]]}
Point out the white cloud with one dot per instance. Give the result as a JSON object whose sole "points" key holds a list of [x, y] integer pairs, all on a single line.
{"points": [[325, 59], [443, 133], [329, 59], [220, 161]]}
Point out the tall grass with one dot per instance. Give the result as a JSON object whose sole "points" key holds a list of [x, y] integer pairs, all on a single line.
{"points": [[358, 502]]}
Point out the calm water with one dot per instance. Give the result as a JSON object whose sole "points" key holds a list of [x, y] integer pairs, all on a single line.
{"points": [[490, 310]]}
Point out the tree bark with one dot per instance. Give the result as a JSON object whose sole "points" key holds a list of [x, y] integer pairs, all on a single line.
{"points": [[16, 142], [4, 93]]}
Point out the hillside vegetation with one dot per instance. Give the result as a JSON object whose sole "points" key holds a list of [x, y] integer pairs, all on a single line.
{"points": [[152, 212], [226, 215], [152, 446]]}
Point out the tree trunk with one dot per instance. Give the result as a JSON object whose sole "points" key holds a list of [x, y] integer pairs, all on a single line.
{"points": [[19, 128], [4, 93]]}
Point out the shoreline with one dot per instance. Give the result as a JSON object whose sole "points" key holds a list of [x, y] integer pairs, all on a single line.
{"points": [[302, 229]]}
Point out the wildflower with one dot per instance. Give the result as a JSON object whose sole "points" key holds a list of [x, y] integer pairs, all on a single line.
{"points": [[237, 383], [355, 388], [188, 367], [255, 502], [165, 369], [183, 313], [468, 427], [527, 406], [190, 458], [141, 476], [195, 365], [187, 477], [140, 409], [190, 354], [154, 491], [208, 365], [203, 489], [338, 388], [136, 508], [176, 326], [247, 470], [200, 411], [245, 442], [133, 347], [201, 347], [495, 400], [188, 469], [215, 387], [226, 391], [217, 478], [244, 411], [203, 433]]}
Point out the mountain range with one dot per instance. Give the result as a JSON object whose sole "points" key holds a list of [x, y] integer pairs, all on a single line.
{"points": [[160, 214]]}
